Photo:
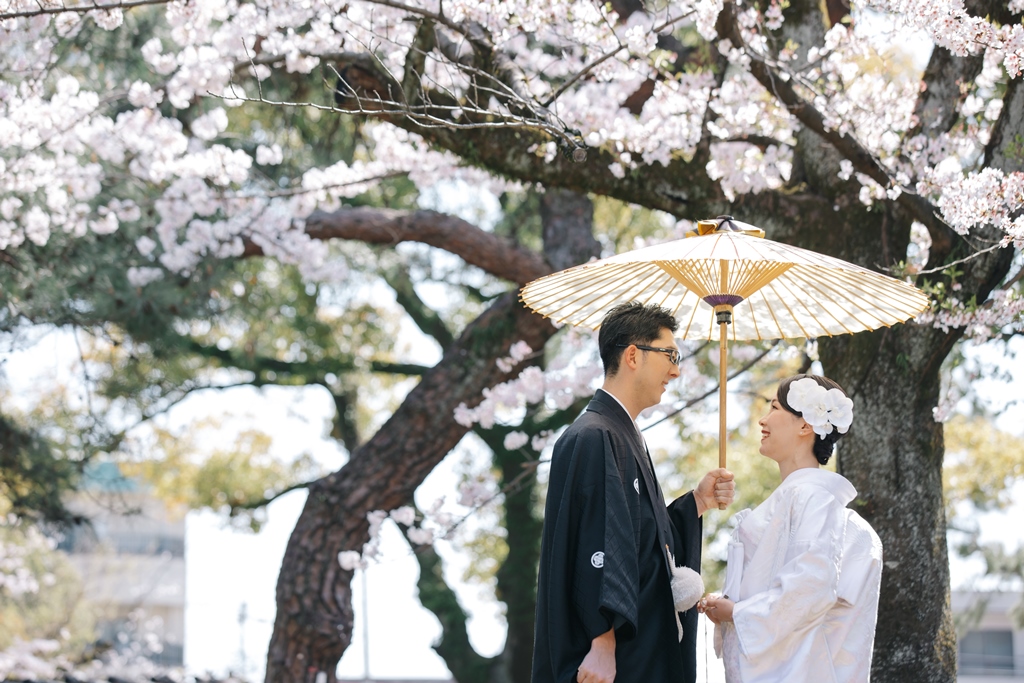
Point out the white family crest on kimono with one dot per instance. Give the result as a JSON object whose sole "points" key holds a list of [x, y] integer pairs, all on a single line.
{"points": [[804, 573]]}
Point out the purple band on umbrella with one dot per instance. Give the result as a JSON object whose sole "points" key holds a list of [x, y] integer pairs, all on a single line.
{"points": [[723, 299]]}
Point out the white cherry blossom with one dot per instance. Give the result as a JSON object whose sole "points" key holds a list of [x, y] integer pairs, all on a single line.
{"points": [[515, 440], [404, 515]]}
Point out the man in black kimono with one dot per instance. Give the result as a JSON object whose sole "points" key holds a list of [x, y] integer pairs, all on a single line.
{"points": [[604, 600]]}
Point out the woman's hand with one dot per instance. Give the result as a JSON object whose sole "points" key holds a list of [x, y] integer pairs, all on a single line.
{"points": [[716, 608]]}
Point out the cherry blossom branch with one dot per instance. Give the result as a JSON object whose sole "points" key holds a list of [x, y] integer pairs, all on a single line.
{"points": [[420, 105], [419, 11], [762, 141], [1013, 280], [496, 255], [507, 76], [272, 59], [529, 467], [423, 117], [80, 9], [454, 107], [556, 420], [605, 57], [862, 159], [299, 191]]}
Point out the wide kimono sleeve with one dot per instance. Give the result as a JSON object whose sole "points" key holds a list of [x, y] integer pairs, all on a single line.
{"points": [[775, 622], [687, 536], [605, 571], [687, 527], [589, 572]]}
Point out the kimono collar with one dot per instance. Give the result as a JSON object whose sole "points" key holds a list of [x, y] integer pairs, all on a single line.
{"points": [[606, 404], [836, 484], [621, 405]]}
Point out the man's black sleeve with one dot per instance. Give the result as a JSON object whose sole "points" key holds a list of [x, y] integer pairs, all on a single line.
{"points": [[687, 530]]}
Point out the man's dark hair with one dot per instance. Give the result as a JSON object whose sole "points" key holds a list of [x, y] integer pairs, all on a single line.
{"points": [[632, 323]]}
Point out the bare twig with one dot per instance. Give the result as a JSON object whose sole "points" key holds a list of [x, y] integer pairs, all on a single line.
{"points": [[79, 9], [939, 269], [420, 115], [298, 191], [863, 160], [713, 389], [263, 502]]}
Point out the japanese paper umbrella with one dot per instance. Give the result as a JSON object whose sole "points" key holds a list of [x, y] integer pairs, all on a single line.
{"points": [[726, 281]]}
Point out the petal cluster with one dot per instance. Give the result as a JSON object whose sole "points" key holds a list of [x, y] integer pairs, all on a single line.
{"points": [[823, 409]]}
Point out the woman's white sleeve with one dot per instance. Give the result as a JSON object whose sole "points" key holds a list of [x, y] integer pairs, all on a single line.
{"points": [[803, 588]]}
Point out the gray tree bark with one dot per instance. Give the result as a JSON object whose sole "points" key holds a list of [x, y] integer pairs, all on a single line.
{"points": [[313, 625]]}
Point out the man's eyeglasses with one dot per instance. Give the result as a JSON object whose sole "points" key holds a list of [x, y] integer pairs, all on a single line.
{"points": [[673, 354]]}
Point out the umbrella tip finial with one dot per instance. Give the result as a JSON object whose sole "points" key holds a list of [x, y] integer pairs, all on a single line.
{"points": [[724, 224]]}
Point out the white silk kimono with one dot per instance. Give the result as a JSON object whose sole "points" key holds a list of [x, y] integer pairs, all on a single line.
{"points": [[804, 573]]}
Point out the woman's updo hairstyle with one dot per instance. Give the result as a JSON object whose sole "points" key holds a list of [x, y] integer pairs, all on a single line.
{"points": [[824, 446]]}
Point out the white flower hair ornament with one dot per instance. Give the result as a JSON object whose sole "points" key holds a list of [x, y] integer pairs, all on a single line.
{"points": [[821, 408]]}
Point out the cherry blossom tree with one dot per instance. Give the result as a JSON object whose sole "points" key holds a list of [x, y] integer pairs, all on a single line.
{"points": [[797, 116]]}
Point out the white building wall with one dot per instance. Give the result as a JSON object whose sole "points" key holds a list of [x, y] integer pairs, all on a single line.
{"points": [[132, 563], [995, 617]]}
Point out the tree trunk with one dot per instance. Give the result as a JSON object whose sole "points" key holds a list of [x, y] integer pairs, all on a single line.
{"points": [[893, 456], [465, 663], [313, 626], [567, 229]]}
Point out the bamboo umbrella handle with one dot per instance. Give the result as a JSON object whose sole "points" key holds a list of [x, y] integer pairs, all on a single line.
{"points": [[723, 356]]}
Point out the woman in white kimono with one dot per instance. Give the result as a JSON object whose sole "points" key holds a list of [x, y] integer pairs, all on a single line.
{"points": [[801, 588]]}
